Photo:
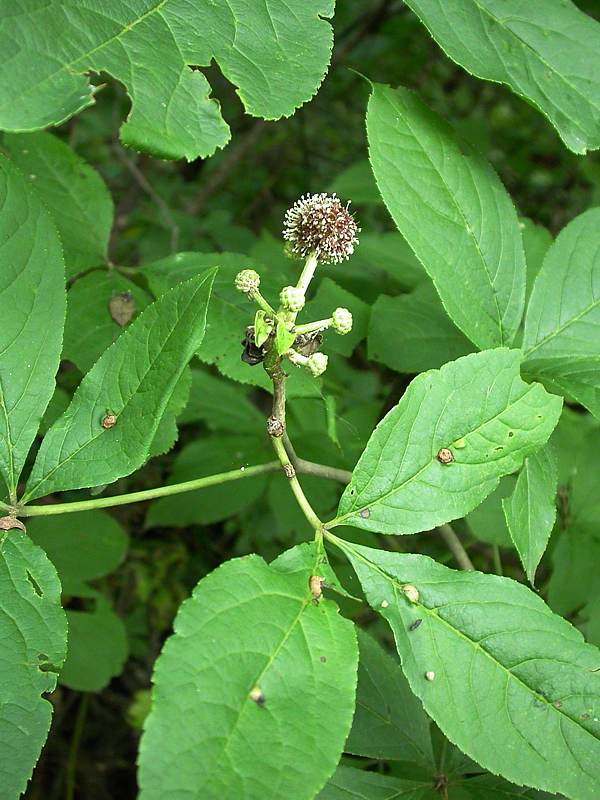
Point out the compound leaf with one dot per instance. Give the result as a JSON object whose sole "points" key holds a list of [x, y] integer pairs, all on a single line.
{"points": [[33, 632], [451, 208], [32, 295], [509, 682], [276, 53], [562, 325], [549, 54], [479, 411], [133, 380], [242, 689], [530, 511]]}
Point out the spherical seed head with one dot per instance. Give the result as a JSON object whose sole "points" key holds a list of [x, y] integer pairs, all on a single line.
{"points": [[292, 298], [341, 321], [246, 281], [317, 363], [320, 224]]}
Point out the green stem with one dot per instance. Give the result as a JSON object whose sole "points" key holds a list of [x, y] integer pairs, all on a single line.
{"points": [[301, 498], [260, 301], [309, 327], [71, 768], [497, 560], [308, 272], [455, 546], [147, 494]]}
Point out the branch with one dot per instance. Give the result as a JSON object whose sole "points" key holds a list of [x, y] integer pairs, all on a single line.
{"points": [[455, 546]]}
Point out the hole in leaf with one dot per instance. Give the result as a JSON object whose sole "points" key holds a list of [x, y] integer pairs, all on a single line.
{"points": [[36, 587], [511, 434]]}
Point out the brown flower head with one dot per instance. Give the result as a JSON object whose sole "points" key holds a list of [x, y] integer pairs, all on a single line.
{"points": [[320, 224]]}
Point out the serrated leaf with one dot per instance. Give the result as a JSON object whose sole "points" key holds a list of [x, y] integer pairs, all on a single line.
{"points": [[33, 632], [73, 192], [453, 211], [308, 556], [133, 380], [562, 325], [249, 626], [480, 410], [276, 54], [551, 58], [389, 722], [349, 783], [576, 562], [167, 432], [413, 333], [531, 509], [32, 294], [509, 682], [90, 327]]}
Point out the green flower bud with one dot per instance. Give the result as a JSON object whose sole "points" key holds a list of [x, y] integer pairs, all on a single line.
{"points": [[317, 363], [292, 298], [341, 321], [247, 281]]}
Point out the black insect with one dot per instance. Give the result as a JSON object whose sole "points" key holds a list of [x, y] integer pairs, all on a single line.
{"points": [[251, 354], [414, 625]]}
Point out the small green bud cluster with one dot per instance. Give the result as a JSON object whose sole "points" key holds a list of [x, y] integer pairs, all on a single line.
{"points": [[292, 299], [247, 281], [341, 321]]}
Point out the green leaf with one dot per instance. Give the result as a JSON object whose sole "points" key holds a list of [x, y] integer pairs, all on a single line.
{"points": [[576, 560], [276, 54], [349, 783], [208, 456], [167, 432], [536, 241], [550, 56], [33, 632], [356, 181], [389, 722], [73, 192], [32, 295], [284, 338], [531, 509], [83, 546], [262, 328], [134, 380], [413, 333], [250, 626], [477, 407], [308, 556], [220, 404], [562, 326], [509, 682], [97, 652], [90, 327], [487, 522], [453, 211]]}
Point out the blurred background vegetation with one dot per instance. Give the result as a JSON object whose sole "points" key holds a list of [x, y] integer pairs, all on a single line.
{"points": [[234, 202]]}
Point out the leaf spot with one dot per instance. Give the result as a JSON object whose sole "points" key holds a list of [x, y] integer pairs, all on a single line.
{"points": [[430, 675], [36, 587], [365, 513], [257, 697], [445, 456], [414, 625]]}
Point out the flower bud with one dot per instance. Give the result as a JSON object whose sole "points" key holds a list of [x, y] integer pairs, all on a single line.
{"points": [[247, 281], [317, 363], [320, 224], [292, 298], [341, 321]]}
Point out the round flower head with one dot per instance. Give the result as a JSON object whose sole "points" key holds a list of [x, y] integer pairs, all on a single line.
{"points": [[320, 224], [292, 298], [341, 321], [317, 363], [246, 281]]}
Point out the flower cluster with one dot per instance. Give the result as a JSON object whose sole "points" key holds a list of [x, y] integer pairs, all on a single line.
{"points": [[320, 224]]}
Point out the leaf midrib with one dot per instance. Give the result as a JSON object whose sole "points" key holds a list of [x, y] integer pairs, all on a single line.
{"points": [[339, 520], [561, 328], [431, 612]]}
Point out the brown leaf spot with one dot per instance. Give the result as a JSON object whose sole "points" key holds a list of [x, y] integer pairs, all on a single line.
{"points": [[445, 456], [122, 308]]}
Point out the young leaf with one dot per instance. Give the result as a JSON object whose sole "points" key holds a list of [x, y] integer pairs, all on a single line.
{"points": [[33, 632], [90, 327], [477, 412], [32, 295], [453, 211], [73, 192], [277, 54], [562, 326], [243, 687], [508, 681], [549, 55], [413, 333], [531, 509], [133, 381], [389, 722]]}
